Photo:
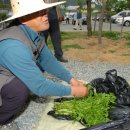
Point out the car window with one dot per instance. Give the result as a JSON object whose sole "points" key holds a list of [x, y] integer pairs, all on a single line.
{"points": [[128, 14], [122, 14]]}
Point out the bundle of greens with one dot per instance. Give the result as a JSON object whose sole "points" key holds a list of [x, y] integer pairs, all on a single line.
{"points": [[89, 110]]}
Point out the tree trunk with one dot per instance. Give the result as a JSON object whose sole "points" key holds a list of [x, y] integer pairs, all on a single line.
{"points": [[89, 27], [122, 27], [95, 21], [101, 23]]}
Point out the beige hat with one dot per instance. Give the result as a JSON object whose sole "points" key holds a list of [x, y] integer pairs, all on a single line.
{"points": [[24, 7]]}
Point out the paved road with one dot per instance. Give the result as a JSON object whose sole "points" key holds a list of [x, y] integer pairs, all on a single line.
{"points": [[106, 27]]}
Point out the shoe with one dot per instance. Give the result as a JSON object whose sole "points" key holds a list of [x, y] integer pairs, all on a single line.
{"points": [[10, 126], [74, 28], [62, 59]]}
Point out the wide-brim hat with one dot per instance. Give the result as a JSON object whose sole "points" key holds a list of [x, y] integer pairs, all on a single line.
{"points": [[24, 7]]}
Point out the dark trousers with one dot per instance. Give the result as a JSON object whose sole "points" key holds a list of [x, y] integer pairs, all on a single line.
{"points": [[55, 35], [67, 21], [14, 95]]}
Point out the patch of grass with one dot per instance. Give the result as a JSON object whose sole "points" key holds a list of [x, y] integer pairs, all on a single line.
{"points": [[126, 35], [74, 46], [73, 35], [128, 44], [112, 51], [126, 54], [110, 35], [67, 36], [49, 43], [114, 35]]}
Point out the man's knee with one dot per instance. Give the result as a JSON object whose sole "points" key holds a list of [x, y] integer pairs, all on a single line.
{"points": [[16, 91]]}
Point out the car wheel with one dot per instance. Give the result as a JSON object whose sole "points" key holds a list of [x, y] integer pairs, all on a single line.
{"points": [[127, 23]]}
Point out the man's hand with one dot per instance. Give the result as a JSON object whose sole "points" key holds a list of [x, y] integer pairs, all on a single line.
{"points": [[78, 89]]}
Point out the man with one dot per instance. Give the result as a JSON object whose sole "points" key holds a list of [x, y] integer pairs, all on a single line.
{"points": [[78, 20], [54, 15], [22, 48]]}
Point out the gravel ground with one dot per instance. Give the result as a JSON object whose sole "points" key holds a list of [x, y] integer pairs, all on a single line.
{"points": [[81, 70]]}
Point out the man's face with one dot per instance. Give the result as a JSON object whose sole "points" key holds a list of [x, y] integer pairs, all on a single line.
{"points": [[37, 21]]}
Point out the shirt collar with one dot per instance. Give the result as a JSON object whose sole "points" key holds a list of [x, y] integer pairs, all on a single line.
{"points": [[34, 36]]}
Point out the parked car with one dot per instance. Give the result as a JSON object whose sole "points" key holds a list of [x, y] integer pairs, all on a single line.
{"points": [[98, 18], [121, 14], [125, 22], [84, 19]]}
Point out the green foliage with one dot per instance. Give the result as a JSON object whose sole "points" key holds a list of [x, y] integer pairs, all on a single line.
{"points": [[110, 35], [89, 110], [80, 3], [115, 5]]}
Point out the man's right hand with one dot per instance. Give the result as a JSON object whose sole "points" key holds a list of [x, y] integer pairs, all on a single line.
{"points": [[78, 89]]}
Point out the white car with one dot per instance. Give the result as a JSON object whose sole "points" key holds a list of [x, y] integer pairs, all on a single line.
{"points": [[125, 22], [124, 13]]}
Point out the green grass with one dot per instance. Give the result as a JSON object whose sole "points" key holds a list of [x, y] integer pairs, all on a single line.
{"points": [[112, 51], [126, 54], [68, 36], [126, 35], [114, 35], [74, 46], [128, 44], [110, 35], [76, 35], [72, 35]]}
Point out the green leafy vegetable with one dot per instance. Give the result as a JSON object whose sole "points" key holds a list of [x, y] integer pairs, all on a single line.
{"points": [[89, 110]]}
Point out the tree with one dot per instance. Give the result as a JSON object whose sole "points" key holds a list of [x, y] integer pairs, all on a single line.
{"points": [[80, 3], [101, 22], [89, 27]]}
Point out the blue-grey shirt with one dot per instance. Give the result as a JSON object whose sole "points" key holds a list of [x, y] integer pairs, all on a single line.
{"points": [[17, 57]]}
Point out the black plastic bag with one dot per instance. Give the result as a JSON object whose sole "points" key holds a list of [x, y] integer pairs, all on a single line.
{"points": [[123, 124], [119, 112], [113, 84]]}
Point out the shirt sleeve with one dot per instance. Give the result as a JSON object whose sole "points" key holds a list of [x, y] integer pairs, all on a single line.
{"points": [[49, 63], [17, 57]]}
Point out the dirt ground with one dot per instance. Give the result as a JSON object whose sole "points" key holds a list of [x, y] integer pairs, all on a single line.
{"points": [[111, 51]]}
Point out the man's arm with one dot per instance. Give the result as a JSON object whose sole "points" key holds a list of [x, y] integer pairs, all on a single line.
{"points": [[17, 57], [49, 63]]}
